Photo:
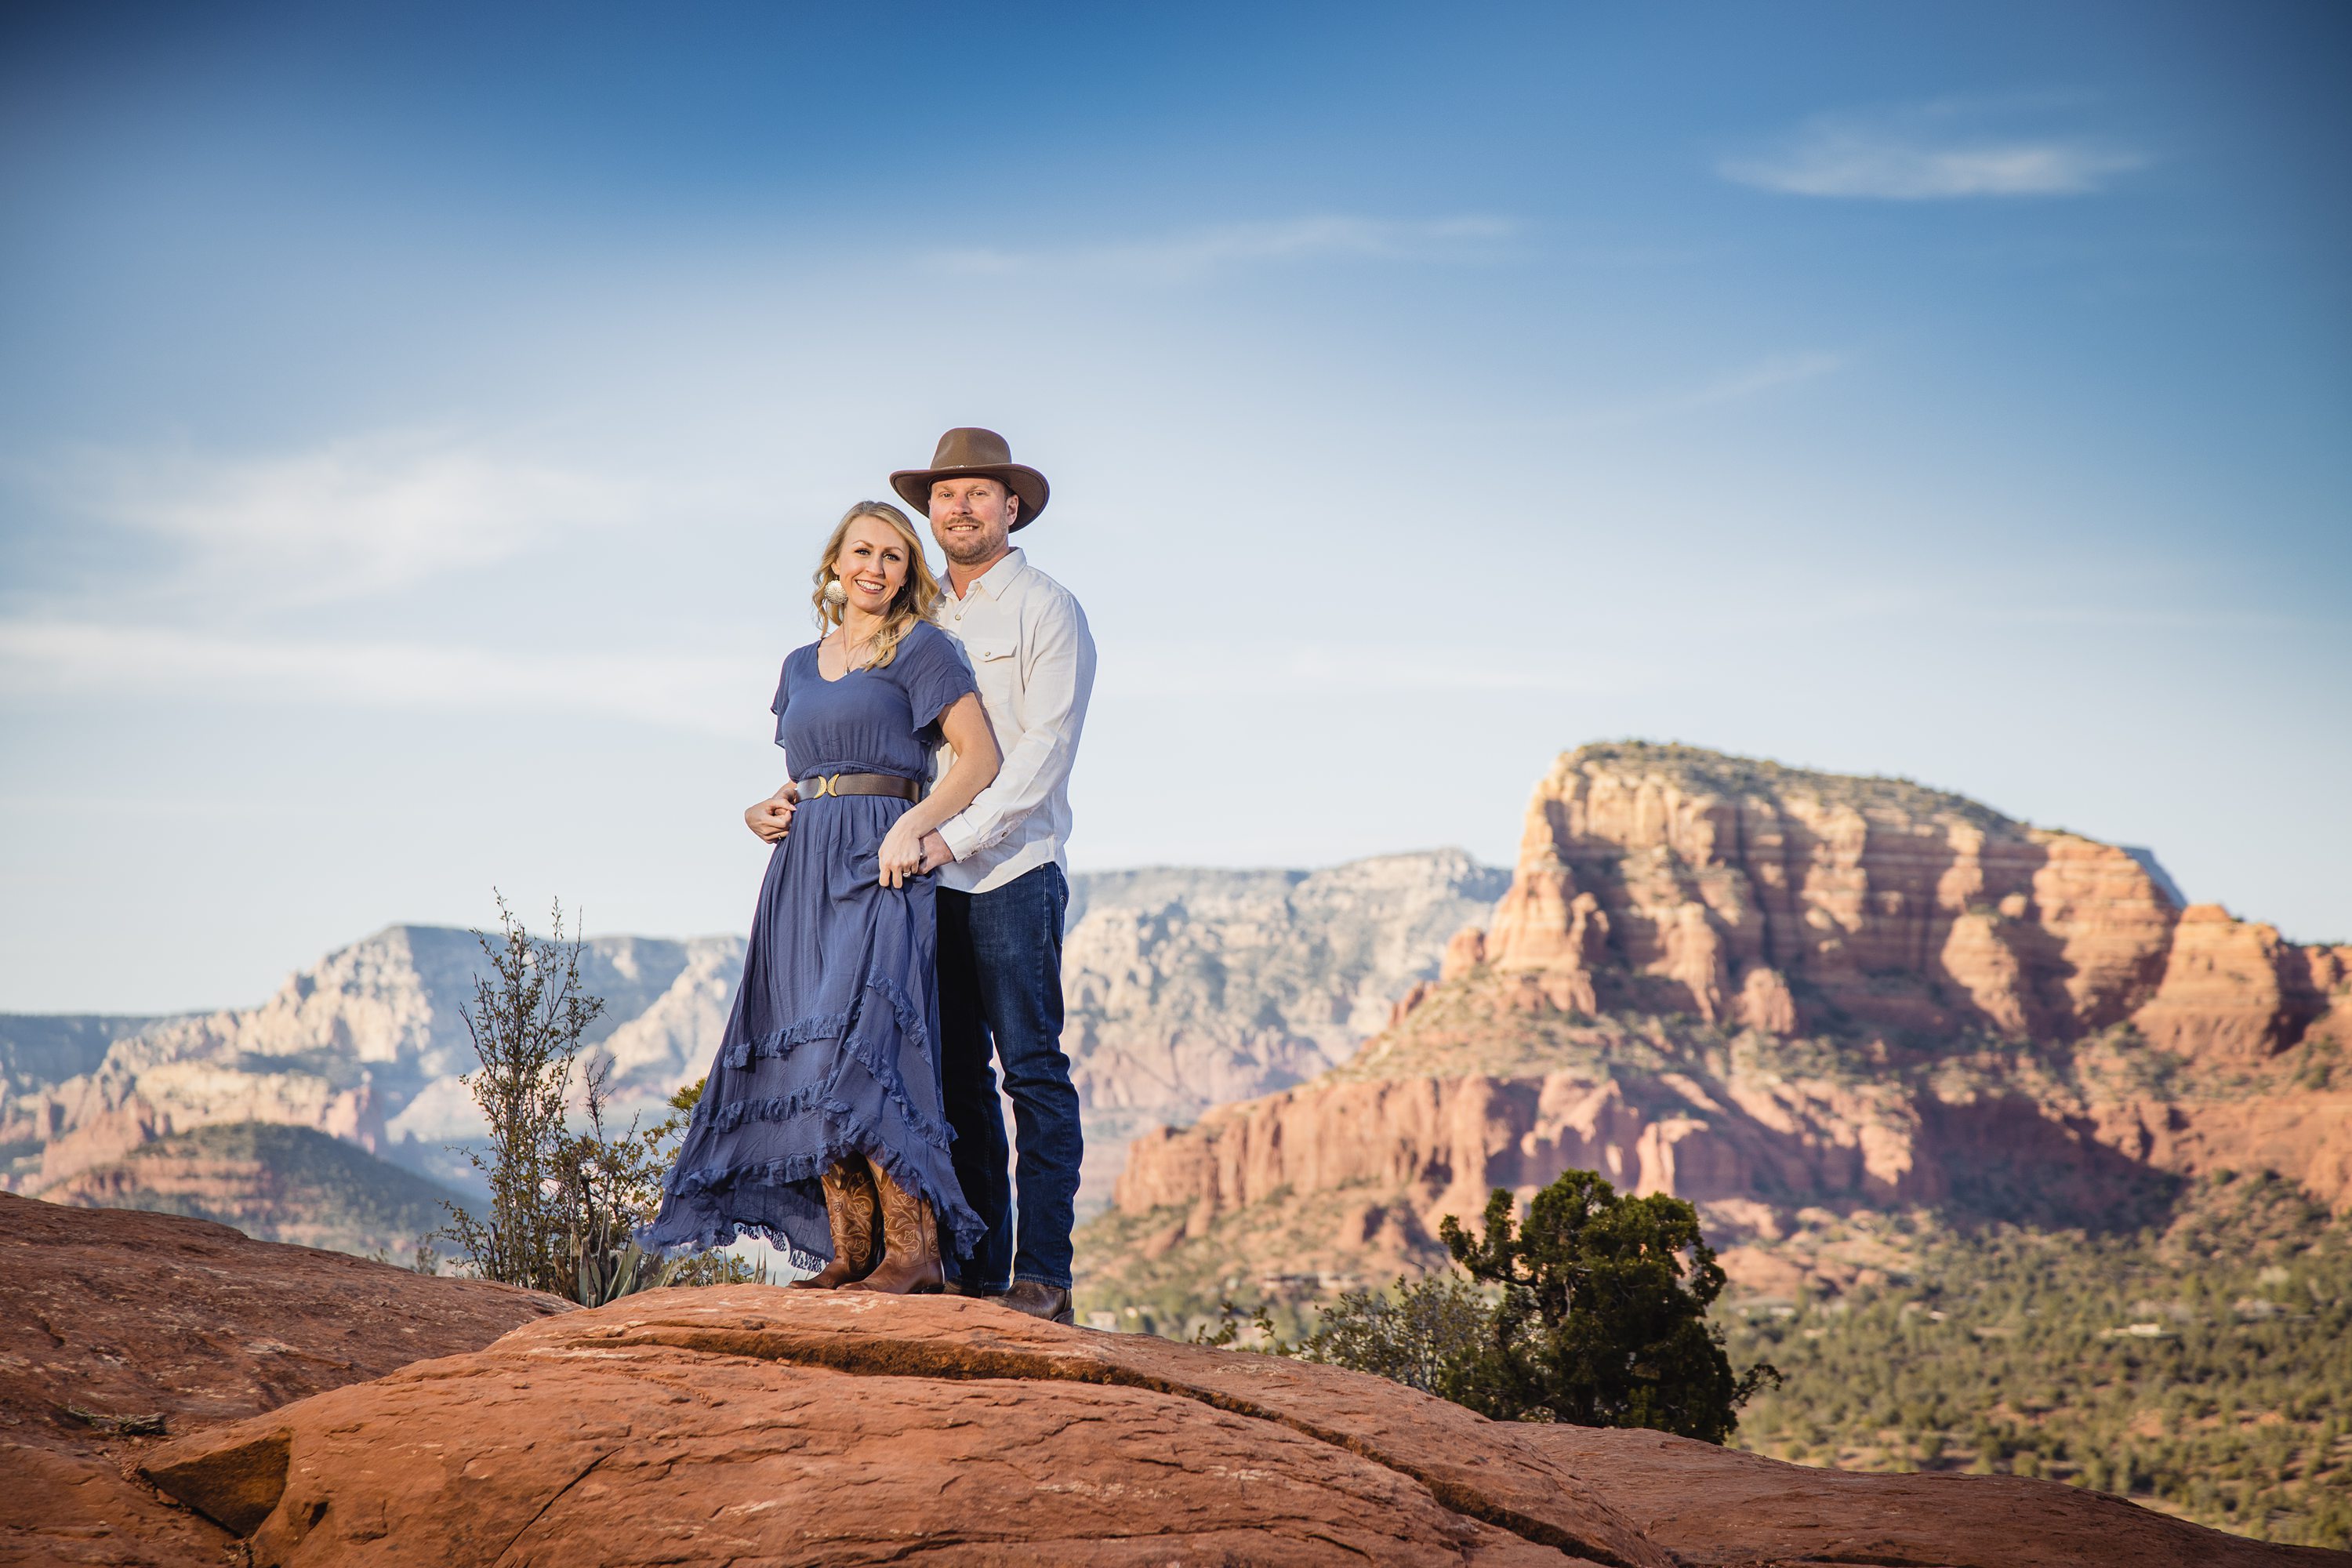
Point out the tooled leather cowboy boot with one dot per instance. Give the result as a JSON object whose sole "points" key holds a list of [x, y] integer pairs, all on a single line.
{"points": [[849, 1206], [911, 1265]]}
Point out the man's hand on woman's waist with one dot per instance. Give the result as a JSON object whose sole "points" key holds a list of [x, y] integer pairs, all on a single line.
{"points": [[936, 852]]}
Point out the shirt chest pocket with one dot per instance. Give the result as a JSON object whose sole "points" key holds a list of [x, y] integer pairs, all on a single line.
{"points": [[992, 658]]}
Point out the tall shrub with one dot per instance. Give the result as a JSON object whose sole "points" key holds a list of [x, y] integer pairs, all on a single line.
{"points": [[563, 1203]]}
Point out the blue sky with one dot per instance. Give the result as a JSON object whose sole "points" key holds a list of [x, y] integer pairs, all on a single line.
{"points": [[415, 426]]}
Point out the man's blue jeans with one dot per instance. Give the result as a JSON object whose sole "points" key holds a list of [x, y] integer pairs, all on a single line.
{"points": [[1001, 981]]}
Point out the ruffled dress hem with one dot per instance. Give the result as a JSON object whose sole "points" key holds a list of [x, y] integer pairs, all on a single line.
{"points": [[694, 1217]]}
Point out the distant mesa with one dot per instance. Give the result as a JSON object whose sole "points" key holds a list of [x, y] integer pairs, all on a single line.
{"points": [[1671, 880]]}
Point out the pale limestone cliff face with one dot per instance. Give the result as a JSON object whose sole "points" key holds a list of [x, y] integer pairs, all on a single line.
{"points": [[1187, 989], [1769, 992], [367, 1046]]}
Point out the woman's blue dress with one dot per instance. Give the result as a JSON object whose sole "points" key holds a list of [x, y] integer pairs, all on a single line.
{"points": [[831, 1049]]}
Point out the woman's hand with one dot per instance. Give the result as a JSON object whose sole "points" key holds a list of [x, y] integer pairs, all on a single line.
{"points": [[771, 818], [902, 852]]}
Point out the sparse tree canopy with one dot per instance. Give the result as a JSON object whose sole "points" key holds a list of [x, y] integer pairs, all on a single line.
{"points": [[1602, 1321]]}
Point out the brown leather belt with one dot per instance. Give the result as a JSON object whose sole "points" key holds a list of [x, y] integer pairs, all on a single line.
{"points": [[815, 786]]}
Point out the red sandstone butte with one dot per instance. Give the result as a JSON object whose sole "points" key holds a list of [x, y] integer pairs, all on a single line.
{"points": [[1666, 900]]}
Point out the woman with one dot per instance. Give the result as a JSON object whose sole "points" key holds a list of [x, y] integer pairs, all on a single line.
{"points": [[825, 1092]]}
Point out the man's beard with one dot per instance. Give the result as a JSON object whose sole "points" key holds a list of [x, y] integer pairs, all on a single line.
{"points": [[979, 547]]}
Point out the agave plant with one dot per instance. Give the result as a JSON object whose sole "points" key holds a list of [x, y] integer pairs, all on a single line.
{"points": [[607, 1275]]}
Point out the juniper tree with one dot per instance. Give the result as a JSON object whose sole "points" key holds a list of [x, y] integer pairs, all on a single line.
{"points": [[1602, 1321]]}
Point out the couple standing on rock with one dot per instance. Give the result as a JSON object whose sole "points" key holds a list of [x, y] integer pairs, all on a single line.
{"points": [[906, 927]]}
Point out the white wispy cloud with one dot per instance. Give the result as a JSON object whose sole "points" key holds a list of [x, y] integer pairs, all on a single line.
{"points": [[337, 521], [705, 693], [1335, 668], [220, 563], [1941, 152], [1188, 254], [1740, 384], [1765, 375]]}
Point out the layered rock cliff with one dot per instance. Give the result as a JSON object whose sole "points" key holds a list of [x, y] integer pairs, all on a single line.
{"points": [[1670, 879], [1775, 992]]}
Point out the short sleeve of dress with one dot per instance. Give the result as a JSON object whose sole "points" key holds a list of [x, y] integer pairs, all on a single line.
{"points": [[930, 669], [784, 697]]}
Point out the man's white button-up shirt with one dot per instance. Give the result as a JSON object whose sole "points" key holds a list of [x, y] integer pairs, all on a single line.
{"points": [[1035, 662]]}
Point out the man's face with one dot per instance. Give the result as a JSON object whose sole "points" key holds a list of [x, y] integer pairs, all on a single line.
{"points": [[972, 519]]}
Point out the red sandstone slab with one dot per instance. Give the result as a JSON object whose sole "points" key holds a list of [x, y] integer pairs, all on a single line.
{"points": [[640, 1453]]}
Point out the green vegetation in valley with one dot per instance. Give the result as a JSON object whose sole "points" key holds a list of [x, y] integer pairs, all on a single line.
{"points": [[1154, 1273], [2202, 1366]]}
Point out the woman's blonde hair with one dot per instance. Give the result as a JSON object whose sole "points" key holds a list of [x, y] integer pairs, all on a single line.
{"points": [[916, 595]]}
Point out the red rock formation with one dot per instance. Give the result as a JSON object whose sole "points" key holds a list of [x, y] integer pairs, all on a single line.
{"points": [[1464, 952], [122, 1314], [755, 1425], [2235, 991], [1917, 935], [1670, 878]]}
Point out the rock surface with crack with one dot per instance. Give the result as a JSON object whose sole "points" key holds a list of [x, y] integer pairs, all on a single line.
{"points": [[751, 1423], [125, 1316]]}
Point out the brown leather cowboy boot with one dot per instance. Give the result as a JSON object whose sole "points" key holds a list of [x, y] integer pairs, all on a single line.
{"points": [[849, 1206], [911, 1265]]}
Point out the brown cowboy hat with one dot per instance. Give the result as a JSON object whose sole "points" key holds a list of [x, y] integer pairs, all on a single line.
{"points": [[972, 452]]}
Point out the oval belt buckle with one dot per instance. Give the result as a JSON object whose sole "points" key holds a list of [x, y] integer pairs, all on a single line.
{"points": [[823, 786]]}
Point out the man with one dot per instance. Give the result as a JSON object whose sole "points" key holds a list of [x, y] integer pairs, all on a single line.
{"points": [[1003, 881]]}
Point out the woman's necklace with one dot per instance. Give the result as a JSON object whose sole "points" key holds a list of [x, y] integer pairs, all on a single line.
{"points": [[849, 649]]}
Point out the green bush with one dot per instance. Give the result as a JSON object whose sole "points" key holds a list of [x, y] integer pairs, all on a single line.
{"points": [[1423, 1334]]}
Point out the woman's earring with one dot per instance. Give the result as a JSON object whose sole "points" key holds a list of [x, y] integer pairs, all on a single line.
{"points": [[834, 594]]}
